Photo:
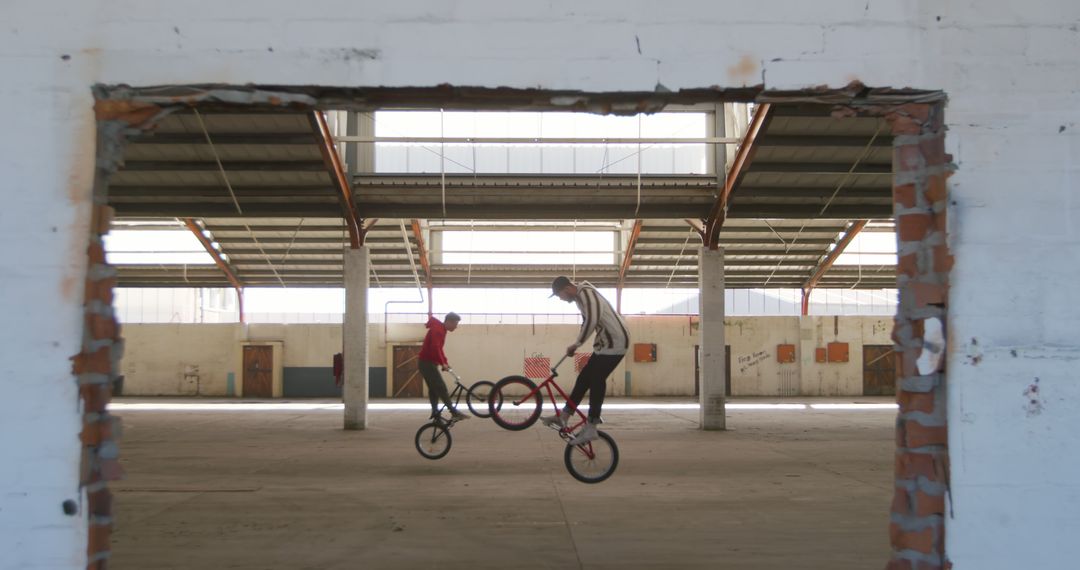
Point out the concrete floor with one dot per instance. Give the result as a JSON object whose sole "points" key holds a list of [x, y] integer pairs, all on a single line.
{"points": [[289, 489]]}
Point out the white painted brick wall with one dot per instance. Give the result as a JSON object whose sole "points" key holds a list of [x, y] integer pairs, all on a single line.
{"points": [[1009, 68]]}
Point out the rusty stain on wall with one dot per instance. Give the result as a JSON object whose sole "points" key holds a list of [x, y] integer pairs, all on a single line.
{"points": [[744, 71]]}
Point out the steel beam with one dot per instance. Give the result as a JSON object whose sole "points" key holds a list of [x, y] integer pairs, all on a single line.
{"points": [[220, 262], [828, 260], [538, 140], [231, 166], [332, 162], [423, 254], [152, 138], [743, 157]]}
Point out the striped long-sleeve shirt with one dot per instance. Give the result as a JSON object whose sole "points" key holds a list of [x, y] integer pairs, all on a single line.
{"points": [[612, 336]]}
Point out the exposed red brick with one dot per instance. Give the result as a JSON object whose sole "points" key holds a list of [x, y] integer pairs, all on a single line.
{"points": [[130, 112], [96, 253], [909, 465], [933, 150], [902, 125], [908, 157], [927, 505], [943, 260], [918, 111], [111, 470], [91, 434], [901, 503], [99, 362], [100, 326], [95, 397], [918, 435], [101, 290], [908, 366], [915, 402], [918, 328], [908, 265], [927, 294], [904, 195], [913, 226], [941, 222], [99, 538], [100, 503], [919, 540], [105, 219], [935, 188]]}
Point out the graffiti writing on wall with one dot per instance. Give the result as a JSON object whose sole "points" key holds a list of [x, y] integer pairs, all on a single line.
{"points": [[751, 360]]}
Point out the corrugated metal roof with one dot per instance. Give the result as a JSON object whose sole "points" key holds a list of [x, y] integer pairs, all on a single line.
{"points": [[788, 209]]}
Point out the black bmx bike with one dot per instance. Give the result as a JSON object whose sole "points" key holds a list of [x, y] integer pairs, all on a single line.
{"points": [[433, 439]]}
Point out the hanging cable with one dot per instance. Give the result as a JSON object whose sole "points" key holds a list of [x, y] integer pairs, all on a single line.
{"points": [[468, 275], [442, 160], [678, 259], [228, 185], [865, 152], [293, 240], [638, 207]]}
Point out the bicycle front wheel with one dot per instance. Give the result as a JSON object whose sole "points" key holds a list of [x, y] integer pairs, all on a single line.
{"points": [[477, 398], [592, 461], [433, 440], [508, 404]]}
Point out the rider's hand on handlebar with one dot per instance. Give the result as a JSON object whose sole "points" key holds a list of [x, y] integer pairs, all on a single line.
{"points": [[571, 349], [445, 368]]}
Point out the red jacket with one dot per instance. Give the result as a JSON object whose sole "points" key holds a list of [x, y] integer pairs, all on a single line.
{"points": [[432, 351]]}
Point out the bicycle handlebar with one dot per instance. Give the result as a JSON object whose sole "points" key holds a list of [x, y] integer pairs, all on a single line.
{"points": [[565, 356]]}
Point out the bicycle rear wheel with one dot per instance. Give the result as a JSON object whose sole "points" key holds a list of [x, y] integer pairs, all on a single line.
{"points": [[477, 398], [433, 440], [508, 405], [593, 461]]}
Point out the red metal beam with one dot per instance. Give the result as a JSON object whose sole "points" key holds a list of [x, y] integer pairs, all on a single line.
{"points": [[423, 251], [743, 157], [337, 173], [828, 261], [698, 226], [224, 267], [220, 262]]}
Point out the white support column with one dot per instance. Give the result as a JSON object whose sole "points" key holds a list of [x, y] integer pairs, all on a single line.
{"points": [[711, 331], [356, 337]]}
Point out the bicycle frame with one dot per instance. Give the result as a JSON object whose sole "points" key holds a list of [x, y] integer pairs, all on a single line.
{"points": [[455, 394], [547, 384]]}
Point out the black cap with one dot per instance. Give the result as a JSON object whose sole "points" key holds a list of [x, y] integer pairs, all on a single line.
{"points": [[559, 284]]}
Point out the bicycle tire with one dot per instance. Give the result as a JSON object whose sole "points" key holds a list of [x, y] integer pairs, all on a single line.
{"points": [[604, 449], [433, 440], [508, 414], [478, 396]]}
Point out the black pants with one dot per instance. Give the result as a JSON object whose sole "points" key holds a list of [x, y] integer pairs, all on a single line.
{"points": [[436, 388], [593, 378]]}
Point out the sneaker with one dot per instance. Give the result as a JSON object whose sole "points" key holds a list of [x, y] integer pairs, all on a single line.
{"points": [[587, 434], [458, 416], [556, 421]]}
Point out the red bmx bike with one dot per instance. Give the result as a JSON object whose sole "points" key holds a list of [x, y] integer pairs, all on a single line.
{"points": [[515, 404]]}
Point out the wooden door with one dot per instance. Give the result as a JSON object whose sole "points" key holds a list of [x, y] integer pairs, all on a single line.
{"points": [[407, 380], [697, 370], [258, 372], [879, 370]]}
